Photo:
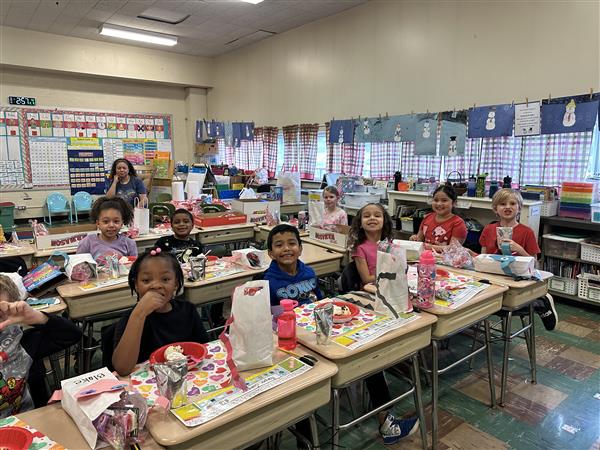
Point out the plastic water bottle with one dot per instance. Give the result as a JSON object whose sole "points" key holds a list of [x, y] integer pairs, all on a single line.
{"points": [[286, 325], [426, 283]]}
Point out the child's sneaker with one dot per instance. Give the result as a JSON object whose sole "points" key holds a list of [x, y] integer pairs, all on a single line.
{"points": [[547, 312], [392, 430]]}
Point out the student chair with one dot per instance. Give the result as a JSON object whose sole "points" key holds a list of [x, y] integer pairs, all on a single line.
{"points": [[164, 197], [82, 203], [57, 203], [107, 345]]}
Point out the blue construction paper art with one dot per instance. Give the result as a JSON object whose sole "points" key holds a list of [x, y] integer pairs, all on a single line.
{"points": [[491, 121], [426, 134], [237, 133], [401, 128], [341, 132], [453, 133], [247, 131], [569, 114]]}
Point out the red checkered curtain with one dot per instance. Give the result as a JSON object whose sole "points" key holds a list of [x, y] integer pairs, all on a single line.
{"points": [[290, 147], [241, 155], [307, 150], [465, 164], [422, 166], [348, 159], [226, 154], [501, 156], [553, 158], [385, 159], [255, 150], [269, 139]]}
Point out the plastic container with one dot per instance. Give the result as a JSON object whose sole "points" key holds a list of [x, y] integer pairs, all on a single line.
{"points": [[590, 252], [565, 285], [286, 325], [426, 281], [596, 212], [589, 287]]}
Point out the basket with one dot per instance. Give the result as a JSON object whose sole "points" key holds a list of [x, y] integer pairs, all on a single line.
{"points": [[561, 247], [590, 252], [589, 287], [459, 185], [565, 285], [549, 209]]}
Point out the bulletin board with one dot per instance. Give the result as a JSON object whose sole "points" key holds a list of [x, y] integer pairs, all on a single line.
{"points": [[40, 147]]}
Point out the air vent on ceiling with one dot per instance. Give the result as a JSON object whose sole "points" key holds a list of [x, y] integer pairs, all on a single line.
{"points": [[252, 37], [163, 16]]}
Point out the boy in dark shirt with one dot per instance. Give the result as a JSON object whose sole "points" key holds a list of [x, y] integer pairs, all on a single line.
{"points": [[180, 244]]}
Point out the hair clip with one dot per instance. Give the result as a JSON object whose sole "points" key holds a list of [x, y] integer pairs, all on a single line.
{"points": [[156, 251]]}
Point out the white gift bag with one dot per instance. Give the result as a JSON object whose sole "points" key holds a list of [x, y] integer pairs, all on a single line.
{"points": [[316, 211], [290, 181], [85, 409], [250, 329], [247, 193], [391, 297], [252, 257], [141, 216], [18, 282], [75, 261]]}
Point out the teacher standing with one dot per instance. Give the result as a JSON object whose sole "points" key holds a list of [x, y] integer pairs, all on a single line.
{"points": [[125, 183]]}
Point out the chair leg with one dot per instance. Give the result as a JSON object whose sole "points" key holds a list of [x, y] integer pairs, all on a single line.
{"points": [[314, 432], [490, 363]]}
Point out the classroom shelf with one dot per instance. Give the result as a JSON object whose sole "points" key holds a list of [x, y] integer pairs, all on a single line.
{"points": [[572, 297], [567, 222], [579, 260]]}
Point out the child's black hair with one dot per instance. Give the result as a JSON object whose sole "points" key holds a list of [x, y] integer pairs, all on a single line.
{"points": [[113, 169], [448, 190], [147, 255], [104, 203], [357, 233], [183, 211], [280, 229]]}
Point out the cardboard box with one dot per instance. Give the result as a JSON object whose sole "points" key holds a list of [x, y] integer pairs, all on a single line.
{"points": [[256, 209], [219, 219], [61, 241], [337, 235], [206, 149]]}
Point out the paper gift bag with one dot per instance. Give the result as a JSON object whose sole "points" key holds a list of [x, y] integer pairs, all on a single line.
{"points": [[18, 282], [290, 181], [81, 267], [85, 408], [316, 212], [141, 216], [250, 331], [390, 281], [252, 257]]}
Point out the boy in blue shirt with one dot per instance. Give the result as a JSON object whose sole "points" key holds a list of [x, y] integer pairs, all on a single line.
{"points": [[288, 276]]}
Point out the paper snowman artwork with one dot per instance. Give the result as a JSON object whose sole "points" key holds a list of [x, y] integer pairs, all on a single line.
{"points": [[569, 117], [247, 131], [366, 127], [426, 130], [398, 133], [452, 151], [490, 123], [341, 136]]}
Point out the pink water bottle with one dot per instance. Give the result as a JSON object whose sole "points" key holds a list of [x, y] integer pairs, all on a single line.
{"points": [[286, 325], [426, 283]]}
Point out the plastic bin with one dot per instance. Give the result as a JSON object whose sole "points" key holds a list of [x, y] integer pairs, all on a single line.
{"points": [[590, 252], [589, 287], [565, 285], [562, 247], [7, 215]]}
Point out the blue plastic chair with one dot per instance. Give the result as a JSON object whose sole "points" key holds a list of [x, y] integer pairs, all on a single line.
{"points": [[82, 203], [57, 203]]}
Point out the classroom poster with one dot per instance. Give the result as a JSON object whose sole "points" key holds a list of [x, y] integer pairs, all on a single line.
{"points": [[86, 165], [569, 114], [426, 137], [112, 149], [491, 121], [527, 119], [399, 128], [453, 133], [49, 161], [133, 150]]}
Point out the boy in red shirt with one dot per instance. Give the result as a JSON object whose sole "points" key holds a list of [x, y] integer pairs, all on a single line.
{"points": [[507, 204]]}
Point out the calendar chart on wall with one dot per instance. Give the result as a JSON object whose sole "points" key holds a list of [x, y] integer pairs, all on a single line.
{"points": [[39, 147]]}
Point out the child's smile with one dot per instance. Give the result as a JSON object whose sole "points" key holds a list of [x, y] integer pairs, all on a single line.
{"points": [[285, 249]]}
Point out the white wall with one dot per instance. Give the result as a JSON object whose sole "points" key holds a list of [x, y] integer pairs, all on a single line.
{"points": [[402, 56]]}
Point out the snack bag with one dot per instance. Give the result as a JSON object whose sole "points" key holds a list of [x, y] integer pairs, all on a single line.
{"points": [[390, 281]]}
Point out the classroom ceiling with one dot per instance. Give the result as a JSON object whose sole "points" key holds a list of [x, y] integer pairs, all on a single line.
{"points": [[213, 27]]}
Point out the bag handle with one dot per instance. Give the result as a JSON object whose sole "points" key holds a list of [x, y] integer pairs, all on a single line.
{"points": [[236, 379], [137, 203], [63, 255]]}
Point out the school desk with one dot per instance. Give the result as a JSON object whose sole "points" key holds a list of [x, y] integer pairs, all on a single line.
{"points": [[261, 232], [293, 208], [55, 423], [24, 250], [383, 352], [333, 247], [520, 294], [256, 419], [226, 234]]}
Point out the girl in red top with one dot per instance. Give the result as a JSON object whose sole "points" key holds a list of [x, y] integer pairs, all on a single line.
{"points": [[507, 204], [442, 225]]}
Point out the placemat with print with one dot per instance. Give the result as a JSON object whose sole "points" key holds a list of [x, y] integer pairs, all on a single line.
{"points": [[40, 440], [222, 268], [213, 374], [219, 402], [305, 319]]}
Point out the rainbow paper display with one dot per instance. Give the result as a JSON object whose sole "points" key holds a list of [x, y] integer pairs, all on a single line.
{"points": [[576, 200]]}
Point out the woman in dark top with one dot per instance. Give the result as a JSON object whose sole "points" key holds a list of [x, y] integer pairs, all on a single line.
{"points": [[125, 183]]}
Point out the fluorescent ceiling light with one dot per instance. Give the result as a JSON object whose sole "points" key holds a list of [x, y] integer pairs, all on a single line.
{"points": [[137, 35], [254, 2]]}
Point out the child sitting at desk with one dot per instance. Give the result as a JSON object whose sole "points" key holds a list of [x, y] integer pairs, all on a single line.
{"points": [[180, 244], [333, 214], [22, 369], [110, 214], [159, 318], [507, 205]]}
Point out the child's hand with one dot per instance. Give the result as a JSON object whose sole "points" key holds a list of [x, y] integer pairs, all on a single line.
{"points": [[515, 248], [20, 312], [414, 237], [150, 302]]}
